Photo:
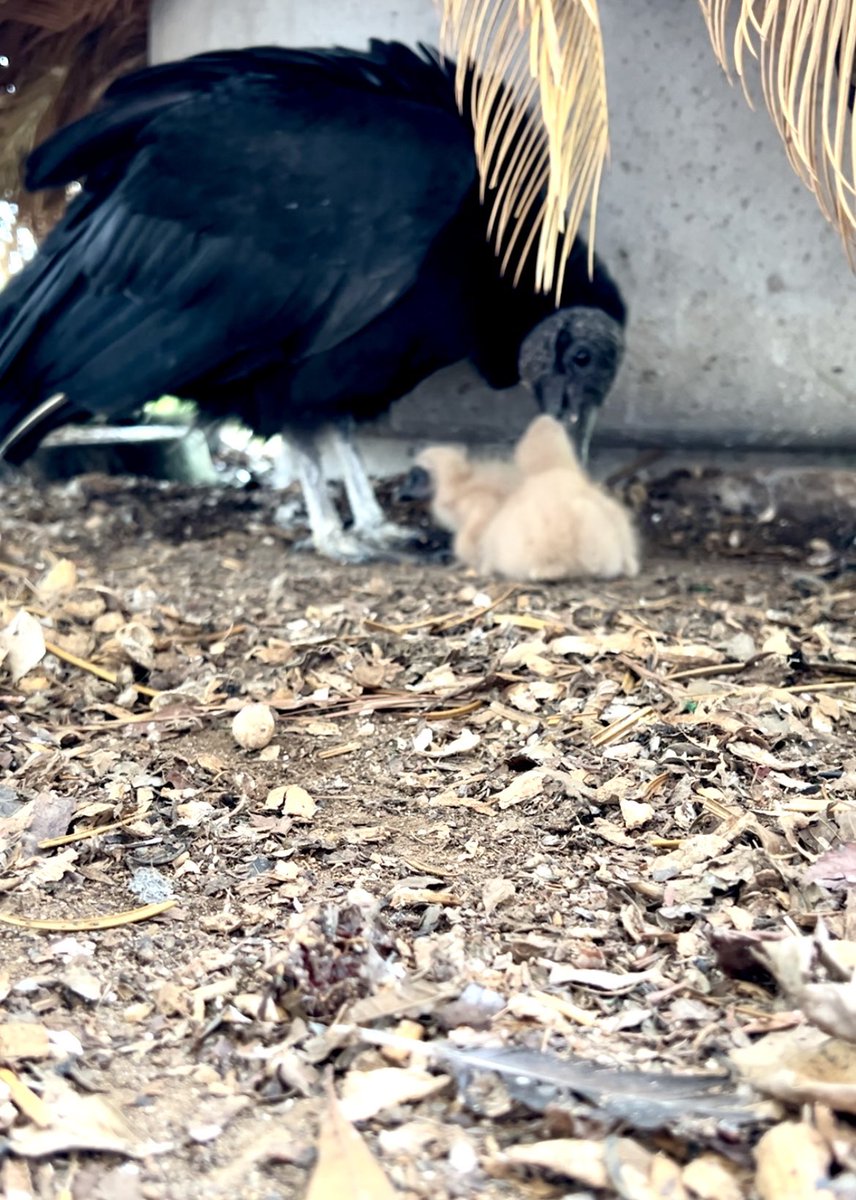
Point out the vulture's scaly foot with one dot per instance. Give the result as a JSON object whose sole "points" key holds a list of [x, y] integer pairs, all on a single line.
{"points": [[346, 546]]}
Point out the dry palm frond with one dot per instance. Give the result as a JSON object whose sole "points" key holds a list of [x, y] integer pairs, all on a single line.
{"points": [[806, 53], [538, 103], [58, 56], [56, 15]]}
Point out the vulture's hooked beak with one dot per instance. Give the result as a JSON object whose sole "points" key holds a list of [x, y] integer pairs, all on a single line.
{"points": [[583, 429], [557, 396]]}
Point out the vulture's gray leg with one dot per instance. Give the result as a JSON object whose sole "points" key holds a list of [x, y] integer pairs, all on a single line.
{"points": [[328, 537], [370, 522]]}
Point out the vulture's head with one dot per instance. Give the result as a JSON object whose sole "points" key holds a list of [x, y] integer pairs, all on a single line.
{"points": [[569, 362]]}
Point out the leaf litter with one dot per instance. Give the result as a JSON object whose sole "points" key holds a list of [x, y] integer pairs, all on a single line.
{"points": [[511, 890]]}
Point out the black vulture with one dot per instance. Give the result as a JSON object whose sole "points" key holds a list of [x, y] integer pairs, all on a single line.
{"points": [[295, 237]]}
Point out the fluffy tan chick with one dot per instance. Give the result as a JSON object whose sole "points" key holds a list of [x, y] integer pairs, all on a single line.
{"points": [[557, 523], [466, 494]]}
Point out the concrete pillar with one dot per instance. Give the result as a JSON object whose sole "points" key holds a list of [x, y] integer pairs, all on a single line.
{"points": [[743, 309], [182, 27]]}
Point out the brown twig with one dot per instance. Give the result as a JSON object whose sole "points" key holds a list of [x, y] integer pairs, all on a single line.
{"points": [[100, 672]]}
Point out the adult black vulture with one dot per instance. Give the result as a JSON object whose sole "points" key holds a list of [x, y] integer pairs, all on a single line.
{"points": [[292, 236]]}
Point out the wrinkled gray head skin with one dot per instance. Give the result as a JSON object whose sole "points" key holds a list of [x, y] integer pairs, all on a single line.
{"points": [[569, 362]]}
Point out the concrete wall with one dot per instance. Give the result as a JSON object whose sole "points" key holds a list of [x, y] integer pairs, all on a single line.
{"points": [[743, 309], [190, 26]]}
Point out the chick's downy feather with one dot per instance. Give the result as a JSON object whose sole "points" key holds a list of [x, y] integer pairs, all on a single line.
{"points": [[466, 494], [538, 518]]}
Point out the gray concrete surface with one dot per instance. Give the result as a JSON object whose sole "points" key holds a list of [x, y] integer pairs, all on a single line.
{"points": [[743, 309]]}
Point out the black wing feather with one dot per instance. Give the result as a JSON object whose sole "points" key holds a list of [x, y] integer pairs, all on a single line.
{"points": [[234, 205]]}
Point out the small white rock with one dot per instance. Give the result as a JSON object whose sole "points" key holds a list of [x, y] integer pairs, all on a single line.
{"points": [[204, 1133], [252, 726]]}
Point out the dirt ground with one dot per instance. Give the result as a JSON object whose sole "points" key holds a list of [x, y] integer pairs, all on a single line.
{"points": [[509, 853]]}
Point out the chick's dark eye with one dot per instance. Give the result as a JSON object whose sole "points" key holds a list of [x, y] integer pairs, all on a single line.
{"points": [[582, 358]]}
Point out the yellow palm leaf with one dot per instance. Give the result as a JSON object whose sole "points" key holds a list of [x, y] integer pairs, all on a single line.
{"points": [[538, 104], [806, 53]]}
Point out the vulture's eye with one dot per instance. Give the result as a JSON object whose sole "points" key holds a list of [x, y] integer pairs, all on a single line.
{"points": [[582, 358]]}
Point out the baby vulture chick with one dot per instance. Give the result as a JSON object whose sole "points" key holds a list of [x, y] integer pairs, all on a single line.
{"points": [[465, 494], [540, 517], [557, 523]]}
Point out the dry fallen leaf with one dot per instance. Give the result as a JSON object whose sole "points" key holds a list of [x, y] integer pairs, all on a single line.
{"points": [[554, 1012], [407, 995], [619, 1163], [367, 1093], [830, 1005], [574, 1158], [466, 741], [82, 983], [298, 803], [345, 1166], [496, 892], [793, 1162], [16, 1180], [604, 981], [405, 897], [212, 763], [137, 642], [526, 786], [77, 1122], [274, 799], [61, 577], [53, 868], [635, 813], [25, 1099], [21, 1039], [801, 1066], [22, 644], [777, 643], [663, 1180], [194, 813], [412, 1138], [406, 1028], [596, 643], [836, 869], [710, 1177], [699, 848], [760, 757]]}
